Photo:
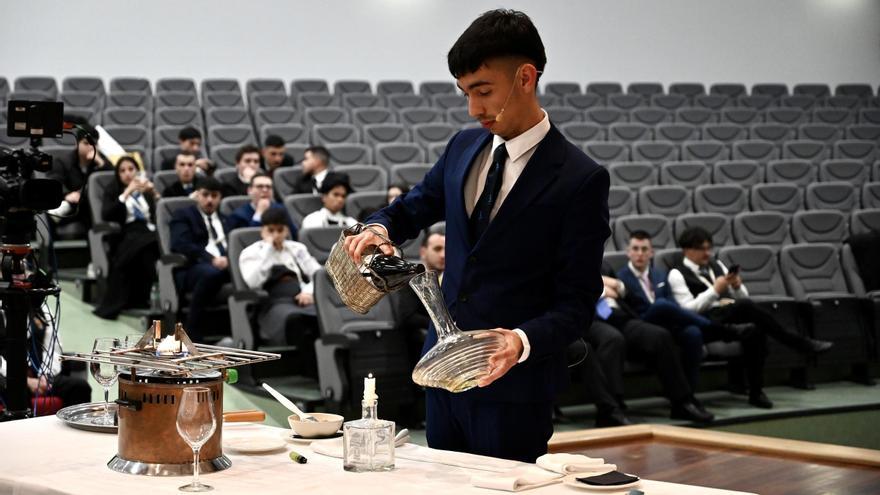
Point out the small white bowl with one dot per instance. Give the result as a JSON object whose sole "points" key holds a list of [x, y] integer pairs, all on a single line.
{"points": [[327, 425]]}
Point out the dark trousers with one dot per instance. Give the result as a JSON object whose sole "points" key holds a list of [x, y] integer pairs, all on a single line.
{"points": [[509, 431], [71, 389], [203, 281], [687, 327], [755, 346], [129, 284]]}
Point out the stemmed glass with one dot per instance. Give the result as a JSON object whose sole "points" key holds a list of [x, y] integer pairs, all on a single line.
{"points": [[195, 424], [105, 374]]}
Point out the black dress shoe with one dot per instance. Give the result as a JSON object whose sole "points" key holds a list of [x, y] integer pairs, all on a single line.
{"points": [[760, 400], [689, 411], [818, 346], [612, 418]]}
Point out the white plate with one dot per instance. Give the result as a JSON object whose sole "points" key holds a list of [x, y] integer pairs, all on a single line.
{"points": [[253, 445], [571, 480], [290, 436]]}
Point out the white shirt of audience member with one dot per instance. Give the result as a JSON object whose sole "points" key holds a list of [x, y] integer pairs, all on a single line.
{"points": [[140, 204], [212, 248], [706, 299], [256, 262], [319, 179], [325, 218]]}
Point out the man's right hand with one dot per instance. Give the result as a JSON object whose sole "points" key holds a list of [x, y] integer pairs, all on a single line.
{"points": [[72, 197], [721, 284], [220, 262], [263, 204], [355, 245]]}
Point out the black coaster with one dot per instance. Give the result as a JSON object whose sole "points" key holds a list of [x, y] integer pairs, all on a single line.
{"points": [[300, 437]]}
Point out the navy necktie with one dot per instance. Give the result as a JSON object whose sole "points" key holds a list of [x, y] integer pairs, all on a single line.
{"points": [[479, 220]]}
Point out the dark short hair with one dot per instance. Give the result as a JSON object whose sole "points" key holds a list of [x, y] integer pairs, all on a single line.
{"points": [[273, 141], [334, 180], [640, 235], [694, 238], [211, 184], [183, 154], [274, 216], [86, 131], [433, 230], [189, 132], [244, 150], [259, 174], [496, 33], [320, 152]]}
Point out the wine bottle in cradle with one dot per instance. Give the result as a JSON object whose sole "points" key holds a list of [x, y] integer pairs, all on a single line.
{"points": [[389, 273]]}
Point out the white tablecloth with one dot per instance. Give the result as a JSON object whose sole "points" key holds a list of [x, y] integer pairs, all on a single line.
{"points": [[44, 456]]}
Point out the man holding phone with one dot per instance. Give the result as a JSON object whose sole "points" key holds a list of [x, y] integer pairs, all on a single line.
{"points": [[704, 285]]}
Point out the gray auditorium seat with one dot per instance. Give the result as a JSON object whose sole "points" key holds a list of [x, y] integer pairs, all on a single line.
{"points": [[784, 198], [560, 89], [832, 196], [741, 116], [582, 101], [385, 133], [427, 134], [645, 89], [627, 132], [842, 101], [351, 86], [238, 135], [715, 223], [786, 116], [714, 102], [650, 116], [743, 172], [435, 151], [604, 88], [581, 132], [300, 205], [82, 99], [325, 115], [130, 135], [731, 90], [686, 173], [290, 133], [350, 154], [181, 117], [563, 115], [365, 177], [835, 116], [275, 116], [400, 102], [209, 86], [774, 90], [687, 89], [408, 173], [864, 132], [844, 170], [43, 84], [363, 100], [820, 132], [865, 151], [633, 175], [297, 151], [725, 132], [621, 201], [695, 116], [802, 102], [175, 99], [869, 116], [368, 116], [669, 102], [655, 152], [163, 152], [321, 99], [324, 134], [358, 201], [667, 258], [101, 233], [798, 172], [777, 133], [413, 116], [386, 88], [130, 85], [624, 101], [708, 151], [728, 199], [298, 86], [605, 152], [859, 90], [227, 116], [389, 154], [222, 99], [819, 226], [459, 117], [30, 96], [815, 90], [258, 85], [761, 227], [127, 116], [814, 151], [223, 155], [431, 88], [319, 241], [863, 221], [871, 195], [80, 84], [605, 115], [659, 227], [447, 101], [262, 99], [676, 132], [664, 200], [232, 203], [755, 149]]}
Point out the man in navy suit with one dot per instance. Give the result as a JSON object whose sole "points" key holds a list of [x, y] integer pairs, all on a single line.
{"points": [[526, 220], [199, 233], [250, 214]]}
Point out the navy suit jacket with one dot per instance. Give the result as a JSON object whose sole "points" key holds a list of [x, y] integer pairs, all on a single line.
{"points": [[636, 297], [243, 216], [189, 234], [536, 267]]}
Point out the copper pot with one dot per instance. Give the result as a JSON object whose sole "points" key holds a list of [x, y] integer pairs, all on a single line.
{"points": [[148, 439]]}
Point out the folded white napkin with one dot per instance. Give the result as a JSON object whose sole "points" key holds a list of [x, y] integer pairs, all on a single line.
{"points": [[573, 463], [522, 478], [330, 448]]}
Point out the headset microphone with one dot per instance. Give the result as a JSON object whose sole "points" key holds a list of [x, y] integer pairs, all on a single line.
{"points": [[509, 94]]}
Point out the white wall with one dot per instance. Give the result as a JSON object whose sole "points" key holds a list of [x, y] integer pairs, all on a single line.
{"points": [[625, 40]]}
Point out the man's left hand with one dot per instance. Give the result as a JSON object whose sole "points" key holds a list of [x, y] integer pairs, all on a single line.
{"points": [[735, 280], [504, 358]]}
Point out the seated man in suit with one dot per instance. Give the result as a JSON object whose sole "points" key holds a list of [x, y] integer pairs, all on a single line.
{"points": [[334, 190], [315, 170], [187, 181], [199, 233], [274, 156], [704, 285], [247, 163], [250, 214]]}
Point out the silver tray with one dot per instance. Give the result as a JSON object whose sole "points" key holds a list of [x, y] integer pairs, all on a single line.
{"points": [[80, 416]]}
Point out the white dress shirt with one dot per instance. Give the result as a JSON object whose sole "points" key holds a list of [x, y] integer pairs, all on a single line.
{"points": [[706, 299], [256, 262], [140, 204], [211, 248], [319, 180], [323, 217]]}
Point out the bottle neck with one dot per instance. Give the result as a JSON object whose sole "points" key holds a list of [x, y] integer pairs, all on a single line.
{"points": [[369, 409]]}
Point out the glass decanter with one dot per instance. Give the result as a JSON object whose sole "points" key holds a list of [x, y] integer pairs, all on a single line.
{"points": [[459, 359], [368, 443]]}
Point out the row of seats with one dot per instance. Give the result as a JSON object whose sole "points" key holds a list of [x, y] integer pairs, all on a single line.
{"points": [[771, 228]]}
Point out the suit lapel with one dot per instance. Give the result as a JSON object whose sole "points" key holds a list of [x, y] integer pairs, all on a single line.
{"points": [[459, 177]]}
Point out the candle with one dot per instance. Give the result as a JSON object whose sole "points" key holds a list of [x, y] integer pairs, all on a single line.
{"points": [[370, 388]]}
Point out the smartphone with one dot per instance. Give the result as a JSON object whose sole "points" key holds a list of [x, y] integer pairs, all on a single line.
{"points": [[734, 270]]}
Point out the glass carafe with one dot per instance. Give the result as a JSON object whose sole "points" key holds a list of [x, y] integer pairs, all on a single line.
{"points": [[459, 359]]}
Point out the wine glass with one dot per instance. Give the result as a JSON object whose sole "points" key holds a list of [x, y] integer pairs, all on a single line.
{"points": [[195, 424], [105, 374]]}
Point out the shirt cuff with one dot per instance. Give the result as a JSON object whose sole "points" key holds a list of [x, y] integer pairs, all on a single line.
{"points": [[527, 349], [122, 198]]}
